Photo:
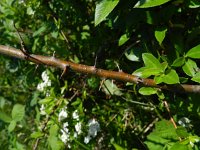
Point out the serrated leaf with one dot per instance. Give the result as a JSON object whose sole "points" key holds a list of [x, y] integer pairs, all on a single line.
{"points": [[123, 39], [103, 9], [149, 3], [160, 35], [194, 52], [151, 61], [196, 77], [178, 146], [182, 132], [147, 90], [36, 135], [4, 117], [18, 112], [160, 137], [178, 62], [12, 126], [190, 67]]}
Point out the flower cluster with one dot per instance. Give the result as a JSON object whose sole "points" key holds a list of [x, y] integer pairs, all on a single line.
{"points": [[94, 127], [46, 82]]}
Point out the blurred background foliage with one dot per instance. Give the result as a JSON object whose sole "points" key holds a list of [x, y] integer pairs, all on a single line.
{"points": [[113, 35]]}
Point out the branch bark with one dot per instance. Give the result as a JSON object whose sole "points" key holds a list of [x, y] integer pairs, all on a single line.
{"points": [[91, 70]]}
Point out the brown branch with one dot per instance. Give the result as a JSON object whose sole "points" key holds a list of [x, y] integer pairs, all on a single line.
{"points": [[91, 70]]}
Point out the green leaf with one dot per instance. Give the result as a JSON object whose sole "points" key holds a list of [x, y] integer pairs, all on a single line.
{"points": [[149, 3], [117, 147], [151, 61], [132, 55], [110, 88], [40, 30], [196, 77], [146, 72], [103, 9], [46, 100], [161, 136], [194, 52], [18, 112], [178, 62], [53, 140], [36, 134], [4, 117], [123, 39], [194, 4], [170, 78], [147, 90], [190, 67], [160, 35], [182, 132], [179, 146], [12, 126]]}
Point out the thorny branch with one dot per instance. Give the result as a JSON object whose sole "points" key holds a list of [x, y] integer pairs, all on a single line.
{"points": [[91, 70]]}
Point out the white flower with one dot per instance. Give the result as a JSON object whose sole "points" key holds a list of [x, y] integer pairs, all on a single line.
{"points": [[46, 82], [75, 134], [65, 133], [94, 127], [64, 137], [75, 115], [185, 122], [42, 110], [62, 115], [65, 125], [78, 128], [87, 139]]}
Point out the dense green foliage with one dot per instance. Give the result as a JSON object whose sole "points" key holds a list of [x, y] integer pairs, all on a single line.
{"points": [[157, 39]]}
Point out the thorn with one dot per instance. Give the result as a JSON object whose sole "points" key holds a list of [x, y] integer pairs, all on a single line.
{"points": [[23, 47], [101, 84], [64, 71], [36, 67], [120, 70], [95, 61]]}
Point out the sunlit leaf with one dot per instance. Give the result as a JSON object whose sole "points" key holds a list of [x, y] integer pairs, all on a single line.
{"points": [[190, 67], [18, 112], [123, 39], [160, 35], [178, 62], [182, 132], [194, 52], [147, 90], [196, 77], [103, 9], [5, 117], [194, 4], [12, 126], [151, 61], [149, 3], [36, 134], [170, 78]]}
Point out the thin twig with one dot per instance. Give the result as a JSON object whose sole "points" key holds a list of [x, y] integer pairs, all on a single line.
{"points": [[91, 70]]}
